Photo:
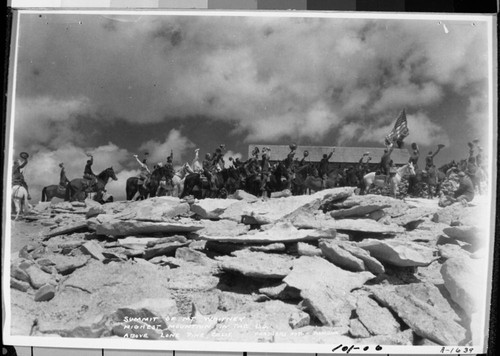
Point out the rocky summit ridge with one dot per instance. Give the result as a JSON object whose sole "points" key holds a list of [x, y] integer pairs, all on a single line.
{"points": [[321, 268]]}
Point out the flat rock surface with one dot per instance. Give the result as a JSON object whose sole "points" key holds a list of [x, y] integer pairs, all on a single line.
{"points": [[211, 208], [257, 264], [283, 232], [134, 227], [154, 209], [423, 318], [324, 288], [400, 253], [272, 210]]}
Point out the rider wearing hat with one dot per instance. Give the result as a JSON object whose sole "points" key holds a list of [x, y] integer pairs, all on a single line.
{"points": [[63, 180], [429, 160], [17, 173], [88, 173], [323, 167], [208, 168], [144, 173], [265, 166], [414, 155]]}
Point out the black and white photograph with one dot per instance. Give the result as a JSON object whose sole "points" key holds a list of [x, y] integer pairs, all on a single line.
{"points": [[250, 181]]}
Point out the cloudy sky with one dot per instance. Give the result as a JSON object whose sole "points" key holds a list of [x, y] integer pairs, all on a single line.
{"points": [[118, 86]]}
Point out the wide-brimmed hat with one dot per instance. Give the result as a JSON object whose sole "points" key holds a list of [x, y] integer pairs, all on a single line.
{"points": [[24, 155], [61, 165]]}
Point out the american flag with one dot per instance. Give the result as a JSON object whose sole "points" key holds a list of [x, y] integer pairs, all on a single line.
{"points": [[400, 130]]}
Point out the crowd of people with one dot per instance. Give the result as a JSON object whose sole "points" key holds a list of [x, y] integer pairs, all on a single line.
{"points": [[260, 166]]}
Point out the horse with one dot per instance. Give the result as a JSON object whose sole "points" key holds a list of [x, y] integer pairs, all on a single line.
{"points": [[315, 184], [279, 179], [178, 179], [298, 178], [20, 202], [53, 191], [371, 179], [132, 186], [79, 187], [193, 180]]}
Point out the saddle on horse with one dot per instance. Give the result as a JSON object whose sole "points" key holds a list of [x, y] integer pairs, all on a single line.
{"points": [[89, 182]]}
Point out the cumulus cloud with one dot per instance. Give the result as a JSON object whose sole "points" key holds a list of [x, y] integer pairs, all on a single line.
{"points": [[273, 77], [46, 121], [175, 142]]}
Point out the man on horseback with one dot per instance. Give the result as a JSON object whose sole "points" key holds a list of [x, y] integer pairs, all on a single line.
{"points": [[265, 166], [88, 174], [63, 180], [385, 162], [218, 158], [429, 160], [323, 167], [208, 170], [145, 173], [17, 173]]}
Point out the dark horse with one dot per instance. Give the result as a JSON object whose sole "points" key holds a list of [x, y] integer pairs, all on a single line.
{"points": [[195, 180], [133, 187], [78, 188], [279, 179], [53, 191]]}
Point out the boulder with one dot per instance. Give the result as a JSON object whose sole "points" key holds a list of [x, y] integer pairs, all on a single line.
{"points": [[428, 293], [273, 210], [455, 212], [340, 257], [376, 319], [189, 255], [67, 229], [470, 234], [242, 195], [371, 263], [257, 264], [19, 274], [448, 251], [164, 307], [324, 287], [94, 211], [19, 285], [357, 211], [191, 278], [158, 209], [93, 249], [38, 278], [394, 207], [139, 243], [274, 247], [305, 249], [135, 227], [45, 293], [299, 319], [413, 217], [67, 264], [281, 291], [365, 226], [422, 317], [357, 329], [167, 248], [463, 278], [222, 228], [399, 253], [281, 194], [281, 232], [211, 208]]}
